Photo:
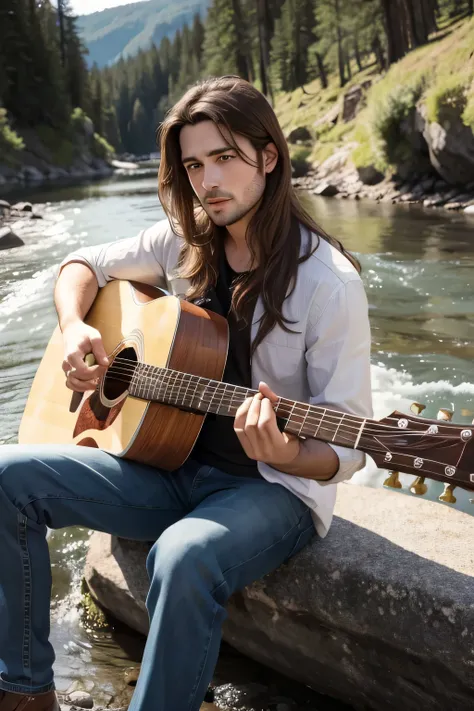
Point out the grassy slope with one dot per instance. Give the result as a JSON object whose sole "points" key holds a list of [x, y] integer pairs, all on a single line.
{"points": [[441, 74]]}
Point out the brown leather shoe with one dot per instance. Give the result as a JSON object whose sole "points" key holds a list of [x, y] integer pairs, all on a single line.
{"points": [[20, 702]]}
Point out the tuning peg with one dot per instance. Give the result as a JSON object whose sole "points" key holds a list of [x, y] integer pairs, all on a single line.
{"points": [[392, 481], [444, 414], [448, 494], [417, 408], [419, 487]]}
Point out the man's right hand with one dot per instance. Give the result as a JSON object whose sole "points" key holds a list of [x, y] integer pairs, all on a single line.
{"points": [[80, 340]]}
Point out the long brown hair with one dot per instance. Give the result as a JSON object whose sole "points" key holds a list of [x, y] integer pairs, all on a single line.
{"points": [[273, 235]]}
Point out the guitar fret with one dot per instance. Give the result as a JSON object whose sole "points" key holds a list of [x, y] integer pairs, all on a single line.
{"points": [[320, 422], [222, 397], [304, 421], [337, 428], [360, 433], [189, 381]]}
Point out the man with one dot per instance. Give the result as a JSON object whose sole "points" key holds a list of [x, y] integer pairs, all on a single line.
{"points": [[237, 241]]}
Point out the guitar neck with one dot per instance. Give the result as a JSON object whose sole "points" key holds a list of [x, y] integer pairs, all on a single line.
{"points": [[191, 392]]}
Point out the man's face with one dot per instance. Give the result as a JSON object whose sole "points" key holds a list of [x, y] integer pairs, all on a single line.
{"points": [[227, 186]]}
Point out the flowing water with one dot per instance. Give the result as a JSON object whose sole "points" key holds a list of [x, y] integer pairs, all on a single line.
{"points": [[418, 268]]}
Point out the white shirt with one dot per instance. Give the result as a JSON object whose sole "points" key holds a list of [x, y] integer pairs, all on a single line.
{"points": [[327, 362]]}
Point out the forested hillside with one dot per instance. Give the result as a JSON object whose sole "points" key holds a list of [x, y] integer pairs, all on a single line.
{"points": [[301, 53], [123, 31]]}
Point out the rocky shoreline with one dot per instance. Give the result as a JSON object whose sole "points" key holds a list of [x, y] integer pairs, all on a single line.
{"points": [[42, 173], [334, 179]]}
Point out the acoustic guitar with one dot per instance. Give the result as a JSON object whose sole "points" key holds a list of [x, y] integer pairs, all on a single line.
{"points": [[167, 358]]}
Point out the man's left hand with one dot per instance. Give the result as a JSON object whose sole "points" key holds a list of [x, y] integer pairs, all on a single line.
{"points": [[256, 427]]}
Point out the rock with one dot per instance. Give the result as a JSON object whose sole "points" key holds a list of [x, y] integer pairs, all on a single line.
{"points": [[330, 116], [435, 200], [427, 185], [353, 101], [31, 174], [370, 175], [81, 699], [299, 167], [125, 165], [9, 239], [299, 134], [451, 147], [337, 161], [23, 207], [5, 207], [379, 614], [325, 189]]}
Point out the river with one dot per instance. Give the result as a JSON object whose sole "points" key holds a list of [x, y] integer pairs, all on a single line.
{"points": [[418, 269]]}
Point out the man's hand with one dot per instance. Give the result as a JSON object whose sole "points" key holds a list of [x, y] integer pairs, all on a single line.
{"points": [[256, 427], [80, 340]]}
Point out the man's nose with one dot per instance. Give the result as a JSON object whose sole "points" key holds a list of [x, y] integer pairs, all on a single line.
{"points": [[210, 179]]}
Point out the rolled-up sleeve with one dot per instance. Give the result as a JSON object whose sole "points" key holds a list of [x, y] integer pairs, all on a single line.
{"points": [[140, 258], [338, 363]]}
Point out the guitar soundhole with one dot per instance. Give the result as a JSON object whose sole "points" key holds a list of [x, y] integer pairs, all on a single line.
{"points": [[119, 375]]}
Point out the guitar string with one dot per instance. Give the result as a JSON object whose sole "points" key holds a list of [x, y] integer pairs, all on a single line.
{"points": [[422, 471], [366, 431], [309, 417], [176, 388]]}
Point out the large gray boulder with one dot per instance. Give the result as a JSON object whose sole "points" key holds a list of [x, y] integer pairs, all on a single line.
{"points": [[451, 146], [380, 614]]}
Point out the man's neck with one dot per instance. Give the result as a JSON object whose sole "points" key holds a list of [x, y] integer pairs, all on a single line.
{"points": [[235, 244]]}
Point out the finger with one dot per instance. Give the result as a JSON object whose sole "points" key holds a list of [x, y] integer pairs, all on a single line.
{"points": [[81, 386], [241, 414], [76, 360], [99, 351], [266, 391], [87, 372], [239, 427]]}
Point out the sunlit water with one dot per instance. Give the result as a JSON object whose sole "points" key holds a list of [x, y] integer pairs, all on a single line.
{"points": [[418, 268]]}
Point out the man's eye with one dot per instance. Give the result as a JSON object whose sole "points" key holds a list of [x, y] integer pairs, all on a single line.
{"points": [[193, 166], [226, 158]]}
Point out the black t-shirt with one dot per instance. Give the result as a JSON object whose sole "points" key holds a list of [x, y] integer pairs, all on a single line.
{"points": [[217, 444]]}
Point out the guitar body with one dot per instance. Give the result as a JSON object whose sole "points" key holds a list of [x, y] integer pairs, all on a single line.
{"points": [[140, 323]]}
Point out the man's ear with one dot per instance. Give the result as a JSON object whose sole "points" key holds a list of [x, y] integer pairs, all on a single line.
{"points": [[270, 157]]}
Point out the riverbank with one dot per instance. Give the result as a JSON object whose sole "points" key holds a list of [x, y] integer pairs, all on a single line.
{"points": [[402, 136], [334, 178]]}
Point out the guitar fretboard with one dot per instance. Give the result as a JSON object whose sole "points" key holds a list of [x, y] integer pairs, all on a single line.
{"points": [[194, 393]]}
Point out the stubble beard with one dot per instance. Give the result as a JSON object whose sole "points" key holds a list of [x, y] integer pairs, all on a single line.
{"points": [[255, 192]]}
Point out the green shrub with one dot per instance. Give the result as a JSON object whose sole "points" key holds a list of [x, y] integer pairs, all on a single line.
{"points": [[9, 140], [468, 114], [299, 152], [369, 151], [387, 111], [101, 148], [447, 96], [80, 122]]}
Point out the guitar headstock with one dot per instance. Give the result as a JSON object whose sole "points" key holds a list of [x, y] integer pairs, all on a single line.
{"points": [[431, 449]]}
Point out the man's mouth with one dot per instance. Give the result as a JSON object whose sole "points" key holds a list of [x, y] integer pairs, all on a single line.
{"points": [[217, 201]]}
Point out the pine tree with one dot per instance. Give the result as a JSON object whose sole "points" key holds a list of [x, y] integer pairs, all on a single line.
{"points": [[225, 46], [139, 130]]}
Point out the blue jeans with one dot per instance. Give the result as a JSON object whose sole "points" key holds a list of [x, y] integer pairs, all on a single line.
{"points": [[214, 534]]}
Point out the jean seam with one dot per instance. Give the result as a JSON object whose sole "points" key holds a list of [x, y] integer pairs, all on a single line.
{"points": [[26, 570], [21, 689], [311, 526], [264, 550], [206, 652], [93, 501], [198, 479]]}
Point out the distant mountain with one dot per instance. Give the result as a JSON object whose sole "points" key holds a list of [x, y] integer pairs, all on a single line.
{"points": [[123, 31]]}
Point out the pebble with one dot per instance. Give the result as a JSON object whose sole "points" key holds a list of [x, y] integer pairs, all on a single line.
{"points": [[81, 699]]}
